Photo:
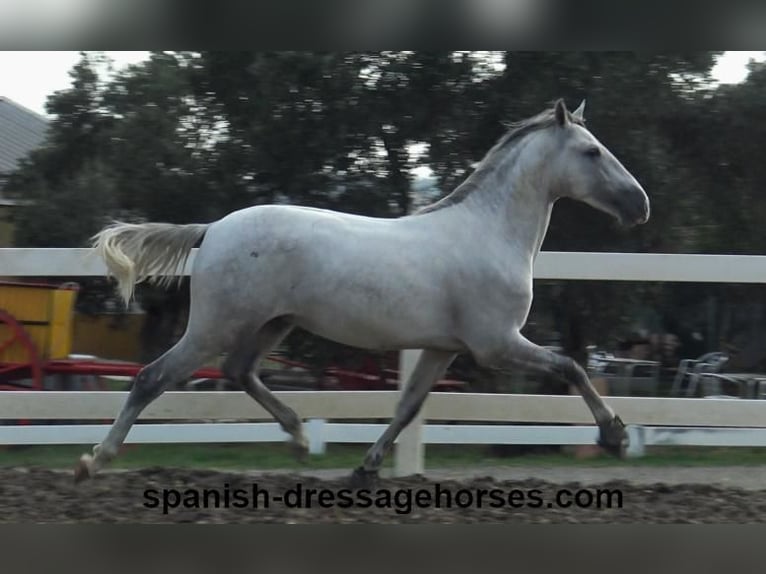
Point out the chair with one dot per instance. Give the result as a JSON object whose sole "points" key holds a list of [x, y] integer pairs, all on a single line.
{"points": [[625, 376], [747, 385], [690, 372]]}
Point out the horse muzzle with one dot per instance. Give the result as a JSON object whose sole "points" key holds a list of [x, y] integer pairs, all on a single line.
{"points": [[634, 207]]}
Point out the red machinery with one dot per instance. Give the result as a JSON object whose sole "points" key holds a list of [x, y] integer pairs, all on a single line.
{"points": [[36, 333]]}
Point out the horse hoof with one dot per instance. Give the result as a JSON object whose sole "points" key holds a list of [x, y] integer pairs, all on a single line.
{"points": [[362, 478], [614, 438], [82, 470]]}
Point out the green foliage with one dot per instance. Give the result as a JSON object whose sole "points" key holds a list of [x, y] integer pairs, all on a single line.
{"points": [[67, 214], [265, 456]]}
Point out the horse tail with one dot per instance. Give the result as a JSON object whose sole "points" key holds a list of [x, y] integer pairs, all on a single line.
{"points": [[153, 252]]}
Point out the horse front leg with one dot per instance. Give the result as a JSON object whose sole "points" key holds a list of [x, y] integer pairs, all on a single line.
{"points": [[430, 367], [519, 352]]}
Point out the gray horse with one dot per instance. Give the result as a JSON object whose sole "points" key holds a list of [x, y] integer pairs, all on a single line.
{"points": [[454, 277]]}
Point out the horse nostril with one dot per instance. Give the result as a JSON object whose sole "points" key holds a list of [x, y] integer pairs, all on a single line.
{"points": [[636, 206]]}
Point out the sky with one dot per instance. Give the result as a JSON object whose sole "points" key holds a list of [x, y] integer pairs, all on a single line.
{"points": [[28, 78]]}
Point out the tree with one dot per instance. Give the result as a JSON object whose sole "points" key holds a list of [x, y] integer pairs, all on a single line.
{"points": [[191, 136], [65, 180], [721, 134], [119, 149]]}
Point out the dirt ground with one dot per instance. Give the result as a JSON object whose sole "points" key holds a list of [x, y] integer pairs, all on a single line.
{"points": [[655, 495]]}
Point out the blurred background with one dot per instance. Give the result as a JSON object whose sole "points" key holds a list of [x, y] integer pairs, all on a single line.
{"points": [[191, 136]]}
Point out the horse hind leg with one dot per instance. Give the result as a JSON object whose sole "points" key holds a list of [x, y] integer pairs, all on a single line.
{"points": [[176, 365], [241, 366]]}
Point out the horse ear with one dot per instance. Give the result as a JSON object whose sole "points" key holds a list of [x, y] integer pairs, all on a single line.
{"points": [[579, 113], [561, 113]]}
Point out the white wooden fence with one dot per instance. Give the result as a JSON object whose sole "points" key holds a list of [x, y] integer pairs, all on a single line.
{"points": [[483, 418], [22, 262]]}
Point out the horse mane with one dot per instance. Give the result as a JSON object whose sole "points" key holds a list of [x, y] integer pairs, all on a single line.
{"points": [[516, 132]]}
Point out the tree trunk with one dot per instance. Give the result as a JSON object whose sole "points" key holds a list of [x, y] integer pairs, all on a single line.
{"points": [[397, 163], [166, 313]]}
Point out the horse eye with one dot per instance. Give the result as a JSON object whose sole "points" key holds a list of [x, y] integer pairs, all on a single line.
{"points": [[593, 151]]}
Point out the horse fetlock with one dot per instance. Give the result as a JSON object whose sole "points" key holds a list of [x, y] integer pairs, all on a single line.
{"points": [[374, 459], [613, 437], [300, 446], [104, 453], [89, 464]]}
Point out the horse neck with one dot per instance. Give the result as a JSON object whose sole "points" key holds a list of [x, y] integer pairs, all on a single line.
{"points": [[515, 204]]}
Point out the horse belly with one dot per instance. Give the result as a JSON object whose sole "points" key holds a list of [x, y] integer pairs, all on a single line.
{"points": [[379, 329]]}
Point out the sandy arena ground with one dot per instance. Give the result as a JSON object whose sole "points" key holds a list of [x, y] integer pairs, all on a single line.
{"points": [[654, 495]]}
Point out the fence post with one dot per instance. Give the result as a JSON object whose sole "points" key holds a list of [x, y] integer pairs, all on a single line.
{"points": [[315, 435], [637, 438], [409, 451]]}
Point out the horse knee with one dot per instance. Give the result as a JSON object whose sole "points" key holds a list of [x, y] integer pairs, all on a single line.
{"points": [[516, 352], [501, 352], [570, 370]]}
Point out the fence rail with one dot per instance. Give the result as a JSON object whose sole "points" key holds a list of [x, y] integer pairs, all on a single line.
{"points": [[223, 417], [351, 405], [519, 419], [513, 419], [30, 262]]}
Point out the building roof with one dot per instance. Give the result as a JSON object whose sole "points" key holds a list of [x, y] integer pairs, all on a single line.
{"points": [[21, 131]]}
